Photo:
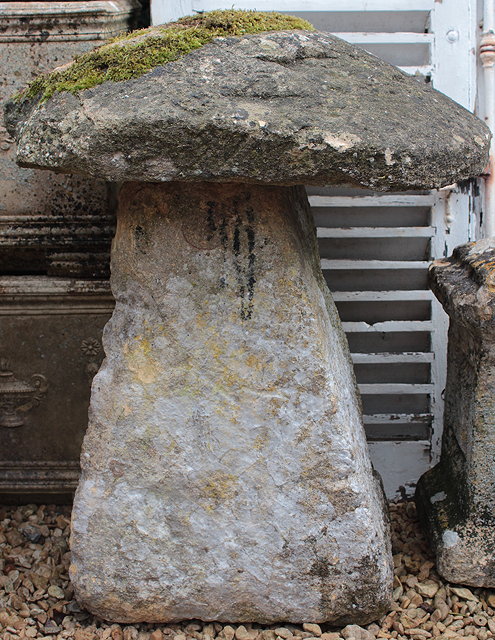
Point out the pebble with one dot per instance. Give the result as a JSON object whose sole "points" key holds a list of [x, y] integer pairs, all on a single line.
{"points": [[428, 588], [228, 633], [37, 599], [314, 629], [32, 533], [464, 593], [56, 592], [355, 632]]}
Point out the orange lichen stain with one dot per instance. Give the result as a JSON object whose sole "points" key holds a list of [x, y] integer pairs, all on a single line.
{"points": [[259, 364], [488, 268], [201, 321], [252, 362]]}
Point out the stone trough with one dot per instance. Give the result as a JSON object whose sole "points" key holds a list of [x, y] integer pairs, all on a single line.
{"points": [[225, 474]]}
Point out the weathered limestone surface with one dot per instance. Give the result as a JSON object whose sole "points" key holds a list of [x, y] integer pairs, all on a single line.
{"points": [[225, 471], [327, 111], [456, 499]]}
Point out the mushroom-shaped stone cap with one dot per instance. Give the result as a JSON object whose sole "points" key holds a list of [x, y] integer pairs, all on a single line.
{"points": [[277, 107]]}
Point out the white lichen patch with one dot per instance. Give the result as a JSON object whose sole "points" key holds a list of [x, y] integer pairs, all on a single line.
{"points": [[341, 142], [438, 497], [450, 538], [389, 157]]}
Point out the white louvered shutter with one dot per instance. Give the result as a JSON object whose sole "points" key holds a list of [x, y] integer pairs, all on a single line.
{"points": [[376, 248]]}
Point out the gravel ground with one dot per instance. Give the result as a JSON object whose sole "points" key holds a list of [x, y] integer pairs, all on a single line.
{"points": [[36, 598]]}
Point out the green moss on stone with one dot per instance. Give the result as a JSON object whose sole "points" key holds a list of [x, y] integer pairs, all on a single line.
{"points": [[136, 53]]}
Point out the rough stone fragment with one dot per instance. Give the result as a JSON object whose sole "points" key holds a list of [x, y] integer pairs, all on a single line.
{"points": [[456, 499], [225, 474], [327, 111]]}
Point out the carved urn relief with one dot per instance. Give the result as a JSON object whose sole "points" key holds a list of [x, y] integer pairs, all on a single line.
{"points": [[17, 397]]}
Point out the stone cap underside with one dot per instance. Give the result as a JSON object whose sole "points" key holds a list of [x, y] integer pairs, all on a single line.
{"points": [[285, 107]]}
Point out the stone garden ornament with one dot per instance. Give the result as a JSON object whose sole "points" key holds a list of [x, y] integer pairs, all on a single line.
{"points": [[456, 499], [225, 474]]}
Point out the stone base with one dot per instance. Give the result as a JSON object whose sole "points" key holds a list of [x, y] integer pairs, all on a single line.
{"points": [[463, 543], [456, 499], [225, 473]]}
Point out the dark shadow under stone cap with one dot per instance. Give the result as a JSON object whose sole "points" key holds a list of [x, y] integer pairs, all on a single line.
{"points": [[282, 107]]}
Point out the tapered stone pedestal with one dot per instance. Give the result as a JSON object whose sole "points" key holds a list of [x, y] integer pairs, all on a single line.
{"points": [[225, 471], [456, 499]]}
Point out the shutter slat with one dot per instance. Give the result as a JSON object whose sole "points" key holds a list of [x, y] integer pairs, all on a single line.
{"points": [[376, 232], [397, 418], [373, 264], [386, 38], [392, 200], [381, 296], [392, 358], [424, 70], [388, 326], [395, 389]]}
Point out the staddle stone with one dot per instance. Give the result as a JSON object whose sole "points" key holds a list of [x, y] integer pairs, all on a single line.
{"points": [[224, 473], [456, 499]]}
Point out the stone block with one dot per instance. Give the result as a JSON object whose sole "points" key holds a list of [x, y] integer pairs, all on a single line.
{"points": [[225, 473], [456, 499]]}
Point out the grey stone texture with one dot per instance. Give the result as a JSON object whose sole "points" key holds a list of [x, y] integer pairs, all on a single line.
{"points": [[279, 108], [456, 499], [225, 473]]}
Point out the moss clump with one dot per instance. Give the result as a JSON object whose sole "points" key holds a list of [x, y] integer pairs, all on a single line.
{"points": [[135, 54]]}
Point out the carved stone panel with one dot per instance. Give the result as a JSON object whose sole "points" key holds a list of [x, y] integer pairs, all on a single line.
{"points": [[50, 349], [52, 224]]}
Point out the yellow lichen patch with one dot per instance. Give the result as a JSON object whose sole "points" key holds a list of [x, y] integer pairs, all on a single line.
{"points": [[135, 54], [219, 488], [140, 360], [261, 440]]}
